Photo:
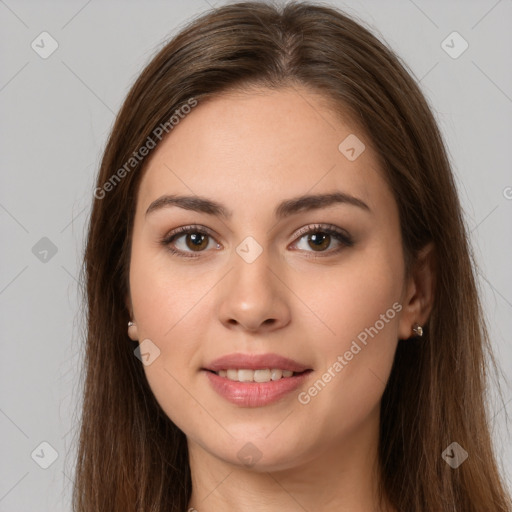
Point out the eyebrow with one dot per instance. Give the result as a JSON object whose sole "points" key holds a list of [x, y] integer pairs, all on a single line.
{"points": [[284, 209]]}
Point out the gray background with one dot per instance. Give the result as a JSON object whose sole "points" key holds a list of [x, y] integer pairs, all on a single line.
{"points": [[56, 114]]}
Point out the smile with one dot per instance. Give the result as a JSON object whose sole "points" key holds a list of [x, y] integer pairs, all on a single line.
{"points": [[247, 391]]}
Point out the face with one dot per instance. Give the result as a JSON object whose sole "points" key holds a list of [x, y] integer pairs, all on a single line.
{"points": [[262, 276]]}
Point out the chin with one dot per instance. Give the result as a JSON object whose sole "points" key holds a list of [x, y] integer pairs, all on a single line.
{"points": [[258, 454]]}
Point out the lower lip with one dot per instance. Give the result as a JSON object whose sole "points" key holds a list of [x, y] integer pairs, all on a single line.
{"points": [[255, 394]]}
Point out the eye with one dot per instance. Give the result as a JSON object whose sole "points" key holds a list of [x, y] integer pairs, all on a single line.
{"points": [[320, 237], [195, 239]]}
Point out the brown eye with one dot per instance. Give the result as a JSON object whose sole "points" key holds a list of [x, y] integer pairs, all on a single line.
{"points": [[187, 240], [318, 239]]}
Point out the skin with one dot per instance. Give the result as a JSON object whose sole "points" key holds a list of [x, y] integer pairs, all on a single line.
{"points": [[250, 150]]}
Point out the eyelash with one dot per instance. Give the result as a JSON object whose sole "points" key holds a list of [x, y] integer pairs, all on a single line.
{"points": [[328, 229]]}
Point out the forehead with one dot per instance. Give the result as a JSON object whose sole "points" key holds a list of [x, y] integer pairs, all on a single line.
{"points": [[249, 149]]}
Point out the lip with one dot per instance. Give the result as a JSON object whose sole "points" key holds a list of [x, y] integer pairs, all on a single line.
{"points": [[254, 394], [255, 362]]}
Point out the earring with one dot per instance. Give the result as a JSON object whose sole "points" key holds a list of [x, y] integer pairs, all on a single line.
{"points": [[417, 329], [132, 330]]}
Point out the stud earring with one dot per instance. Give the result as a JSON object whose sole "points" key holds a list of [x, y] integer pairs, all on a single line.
{"points": [[132, 330], [418, 330]]}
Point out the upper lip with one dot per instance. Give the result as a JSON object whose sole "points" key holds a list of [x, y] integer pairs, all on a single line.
{"points": [[255, 362]]}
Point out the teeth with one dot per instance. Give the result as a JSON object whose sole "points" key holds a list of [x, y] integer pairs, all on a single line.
{"points": [[245, 375], [276, 374]]}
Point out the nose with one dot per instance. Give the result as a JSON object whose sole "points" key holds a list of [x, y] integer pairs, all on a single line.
{"points": [[254, 296]]}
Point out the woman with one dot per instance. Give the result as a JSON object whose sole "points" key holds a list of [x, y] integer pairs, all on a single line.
{"points": [[277, 230]]}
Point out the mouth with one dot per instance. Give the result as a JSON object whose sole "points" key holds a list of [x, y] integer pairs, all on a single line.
{"points": [[255, 380], [256, 388]]}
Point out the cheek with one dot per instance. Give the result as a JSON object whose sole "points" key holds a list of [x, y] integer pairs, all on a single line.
{"points": [[359, 308], [166, 306], [157, 309], [348, 298], [162, 295]]}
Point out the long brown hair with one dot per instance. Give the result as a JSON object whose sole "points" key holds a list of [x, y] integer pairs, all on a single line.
{"points": [[130, 456]]}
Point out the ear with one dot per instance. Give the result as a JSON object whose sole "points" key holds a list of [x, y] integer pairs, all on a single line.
{"points": [[418, 298]]}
